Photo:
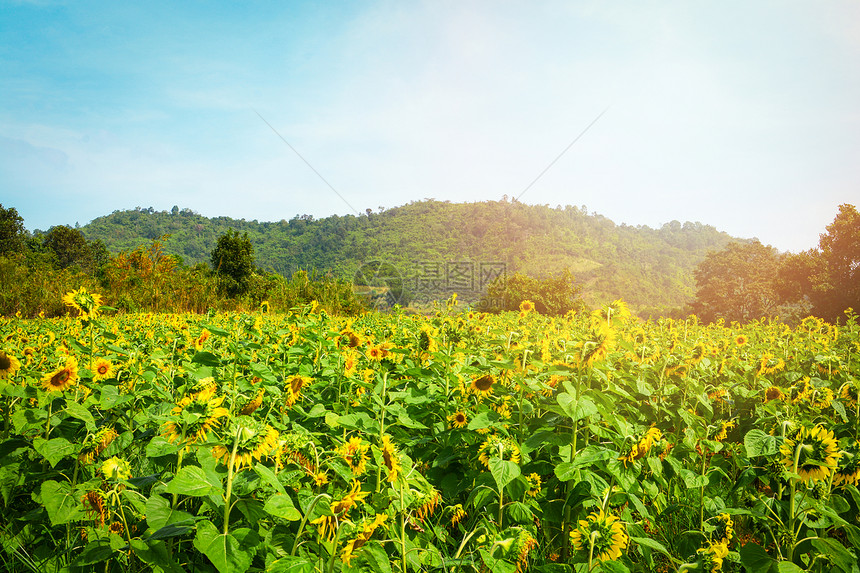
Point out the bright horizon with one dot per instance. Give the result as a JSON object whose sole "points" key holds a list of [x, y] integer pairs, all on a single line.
{"points": [[743, 116]]}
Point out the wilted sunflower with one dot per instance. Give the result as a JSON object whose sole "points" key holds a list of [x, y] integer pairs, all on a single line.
{"points": [[605, 531], [697, 353], [102, 369], [773, 393], [194, 419], [848, 470], [498, 447], [365, 532], [458, 419], [815, 450], [294, 388], [87, 304], [96, 445], [724, 530], [249, 405], [597, 344], [94, 506], [8, 365], [116, 468], [390, 459], [483, 385], [251, 440], [643, 445], [354, 452], [457, 514], [62, 378], [522, 546]]}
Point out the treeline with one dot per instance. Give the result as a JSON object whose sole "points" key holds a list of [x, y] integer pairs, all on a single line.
{"points": [[748, 281], [36, 270], [437, 248]]}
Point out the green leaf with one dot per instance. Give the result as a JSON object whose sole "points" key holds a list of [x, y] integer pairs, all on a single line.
{"points": [[841, 557], [759, 443], [60, 502], [376, 557], [788, 567], [54, 450], [482, 421], [692, 479], [281, 505], [191, 480], [576, 409], [504, 472], [651, 544], [755, 559], [95, 552], [159, 513], [224, 551], [155, 554], [77, 411], [206, 359], [159, 446], [269, 477], [591, 455], [291, 564]]}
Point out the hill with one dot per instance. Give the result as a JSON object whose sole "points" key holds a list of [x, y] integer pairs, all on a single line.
{"points": [[441, 247]]}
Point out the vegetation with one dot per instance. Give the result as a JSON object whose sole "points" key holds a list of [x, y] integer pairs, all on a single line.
{"points": [[438, 248], [553, 296], [457, 442], [749, 281]]}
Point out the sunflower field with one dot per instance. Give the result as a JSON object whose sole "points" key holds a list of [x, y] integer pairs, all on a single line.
{"points": [[458, 442]]}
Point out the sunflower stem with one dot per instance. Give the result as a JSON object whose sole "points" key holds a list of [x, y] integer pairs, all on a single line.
{"points": [[229, 493], [304, 521]]}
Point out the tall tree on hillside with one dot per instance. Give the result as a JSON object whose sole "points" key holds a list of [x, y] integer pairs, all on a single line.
{"points": [[233, 260], [836, 284], [737, 283], [70, 247], [12, 232]]}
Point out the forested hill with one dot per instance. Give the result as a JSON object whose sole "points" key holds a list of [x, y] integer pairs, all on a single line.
{"points": [[449, 246]]}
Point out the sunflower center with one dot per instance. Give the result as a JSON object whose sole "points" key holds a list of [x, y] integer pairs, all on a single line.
{"points": [[5, 361], [484, 383]]}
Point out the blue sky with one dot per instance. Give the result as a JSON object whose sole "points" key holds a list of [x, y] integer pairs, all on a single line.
{"points": [[744, 115]]}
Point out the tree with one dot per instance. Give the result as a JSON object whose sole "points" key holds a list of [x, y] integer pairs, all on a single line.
{"points": [[553, 295], [737, 283], [836, 280], [12, 233], [233, 261], [70, 247]]}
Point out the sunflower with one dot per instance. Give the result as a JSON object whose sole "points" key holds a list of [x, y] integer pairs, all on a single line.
{"points": [[103, 369], [327, 524], [483, 385], [198, 342], [202, 388], [354, 452], [848, 470], [86, 303], [352, 339], [811, 453], [697, 354], [250, 405], [94, 506], [773, 393], [724, 530], [723, 429], [597, 344], [527, 306], [458, 419], [427, 340], [365, 533], [769, 364], [534, 482], [294, 388], [457, 514], [195, 418], [643, 445], [62, 378], [498, 447], [253, 440], [522, 546], [320, 479], [94, 447], [390, 459], [741, 340], [8, 365], [116, 468], [710, 558], [425, 503], [605, 532], [350, 362]]}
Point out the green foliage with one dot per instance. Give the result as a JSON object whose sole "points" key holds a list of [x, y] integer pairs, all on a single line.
{"points": [[12, 232], [651, 269], [69, 247], [836, 285], [233, 261], [737, 283], [553, 296]]}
